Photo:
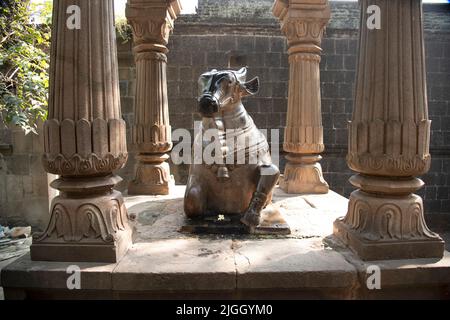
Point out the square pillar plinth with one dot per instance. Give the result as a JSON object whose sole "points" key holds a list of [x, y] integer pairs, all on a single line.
{"points": [[110, 253], [387, 226], [387, 250], [88, 223]]}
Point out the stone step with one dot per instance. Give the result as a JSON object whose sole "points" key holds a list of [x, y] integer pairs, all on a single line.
{"points": [[196, 268], [164, 263]]}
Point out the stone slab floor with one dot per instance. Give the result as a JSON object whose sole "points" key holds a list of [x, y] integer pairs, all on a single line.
{"points": [[165, 263]]}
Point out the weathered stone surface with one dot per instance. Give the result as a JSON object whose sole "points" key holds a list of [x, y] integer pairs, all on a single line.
{"points": [[3, 264], [161, 217], [166, 263], [177, 264], [249, 268], [292, 263], [24, 273], [51, 275], [309, 215], [418, 271], [157, 217], [430, 277]]}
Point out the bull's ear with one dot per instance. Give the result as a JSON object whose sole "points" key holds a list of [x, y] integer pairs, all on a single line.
{"points": [[251, 87]]}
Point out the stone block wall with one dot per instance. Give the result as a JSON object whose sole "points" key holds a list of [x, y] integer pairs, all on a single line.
{"points": [[24, 190]]}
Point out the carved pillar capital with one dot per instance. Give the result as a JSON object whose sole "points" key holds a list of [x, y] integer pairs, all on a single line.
{"points": [[152, 21], [303, 22]]}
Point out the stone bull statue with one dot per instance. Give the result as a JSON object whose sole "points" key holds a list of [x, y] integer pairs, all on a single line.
{"points": [[230, 188]]}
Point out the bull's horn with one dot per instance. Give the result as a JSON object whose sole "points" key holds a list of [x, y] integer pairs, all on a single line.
{"points": [[241, 75]]}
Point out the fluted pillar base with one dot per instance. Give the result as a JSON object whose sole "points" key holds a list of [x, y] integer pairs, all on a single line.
{"points": [[385, 220], [152, 176], [303, 174], [88, 223]]}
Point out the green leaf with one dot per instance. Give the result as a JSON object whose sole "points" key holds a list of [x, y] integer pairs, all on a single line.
{"points": [[24, 56]]}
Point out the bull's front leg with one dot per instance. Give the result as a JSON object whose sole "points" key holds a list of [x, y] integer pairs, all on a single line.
{"points": [[268, 178], [194, 199]]}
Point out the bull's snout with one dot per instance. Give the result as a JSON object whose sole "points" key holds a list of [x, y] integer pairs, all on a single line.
{"points": [[208, 105]]}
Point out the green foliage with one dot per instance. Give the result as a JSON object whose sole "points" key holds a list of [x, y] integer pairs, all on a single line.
{"points": [[123, 30], [24, 62]]}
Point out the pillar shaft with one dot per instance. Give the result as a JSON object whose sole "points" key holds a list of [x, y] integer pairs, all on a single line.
{"points": [[84, 139], [389, 139], [151, 22], [303, 23]]}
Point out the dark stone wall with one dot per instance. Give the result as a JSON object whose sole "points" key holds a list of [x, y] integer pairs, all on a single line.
{"points": [[245, 33]]}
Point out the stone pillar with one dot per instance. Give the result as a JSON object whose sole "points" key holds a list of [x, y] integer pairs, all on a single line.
{"points": [[389, 139], [303, 22], [151, 22], [84, 139]]}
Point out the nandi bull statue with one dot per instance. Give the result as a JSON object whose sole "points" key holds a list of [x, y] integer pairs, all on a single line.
{"points": [[231, 188]]}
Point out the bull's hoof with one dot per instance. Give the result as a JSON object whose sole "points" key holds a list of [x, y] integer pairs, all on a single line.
{"points": [[251, 219]]}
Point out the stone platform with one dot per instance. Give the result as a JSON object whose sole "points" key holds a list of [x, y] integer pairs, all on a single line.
{"points": [[165, 263]]}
